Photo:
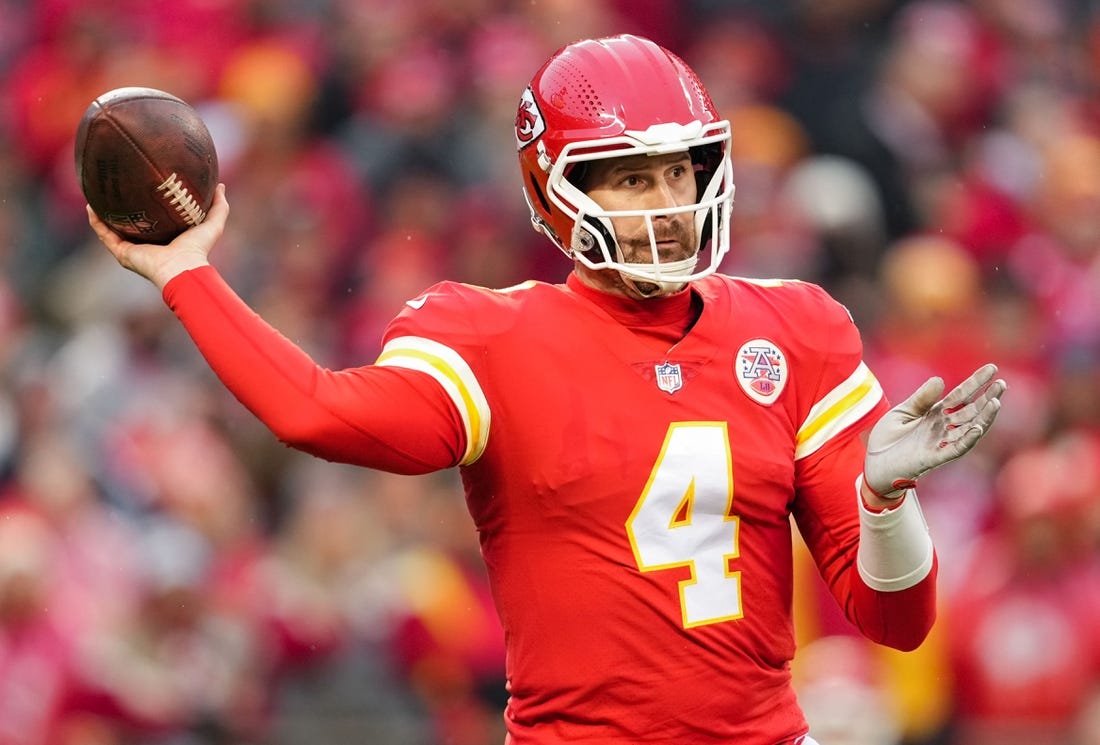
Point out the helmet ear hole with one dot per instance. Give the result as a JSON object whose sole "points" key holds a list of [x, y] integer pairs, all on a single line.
{"points": [[538, 192]]}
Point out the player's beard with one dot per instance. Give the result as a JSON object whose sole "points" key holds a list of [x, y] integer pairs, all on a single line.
{"points": [[675, 242]]}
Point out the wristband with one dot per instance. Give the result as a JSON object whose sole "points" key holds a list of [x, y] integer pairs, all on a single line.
{"points": [[895, 549]]}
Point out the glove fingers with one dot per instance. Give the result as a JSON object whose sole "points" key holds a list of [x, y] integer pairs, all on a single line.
{"points": [[960, 438], [962, 414], [988, 412], [924, 398], [967, 389]]}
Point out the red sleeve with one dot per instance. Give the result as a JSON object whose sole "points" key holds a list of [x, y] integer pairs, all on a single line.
{"points": [[900, 619], [828, 518], [387, 418], [827, 506]]}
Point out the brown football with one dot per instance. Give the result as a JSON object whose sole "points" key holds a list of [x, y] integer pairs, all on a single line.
{"points": [[146, 163]]}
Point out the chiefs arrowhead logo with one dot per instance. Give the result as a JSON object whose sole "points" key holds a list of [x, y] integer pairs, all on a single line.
{"points": [[529, 122]]}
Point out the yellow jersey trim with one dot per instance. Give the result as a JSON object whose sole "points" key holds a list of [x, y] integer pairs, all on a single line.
{"points": [[458, 380]]}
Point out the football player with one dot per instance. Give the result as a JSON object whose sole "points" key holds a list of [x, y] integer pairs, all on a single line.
{"points": [[633, 442]]}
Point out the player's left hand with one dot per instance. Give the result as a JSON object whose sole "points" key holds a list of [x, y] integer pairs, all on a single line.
{"points": [[926, 431]]}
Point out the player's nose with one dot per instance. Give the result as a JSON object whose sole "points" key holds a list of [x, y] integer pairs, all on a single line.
{"points": [[663, 196]]}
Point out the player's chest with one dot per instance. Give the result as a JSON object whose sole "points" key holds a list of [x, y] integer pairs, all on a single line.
{"points": [[696, 424], [605, 384]]}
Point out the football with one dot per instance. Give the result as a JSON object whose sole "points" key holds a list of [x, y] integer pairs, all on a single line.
{"points": [[146, 163]]}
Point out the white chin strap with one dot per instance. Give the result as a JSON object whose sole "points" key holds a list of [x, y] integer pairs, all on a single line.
{"points": [[671, 270]]}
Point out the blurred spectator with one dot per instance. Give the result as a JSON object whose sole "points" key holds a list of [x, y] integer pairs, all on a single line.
{"points": [[933, 86], [841, 688], [741, 59], [929, 314], [179, 665], [94, 564], [1059, 262], [767, 241], [1025, 652], [446, 635], [37, 675], [324, 593], [835, 199]]}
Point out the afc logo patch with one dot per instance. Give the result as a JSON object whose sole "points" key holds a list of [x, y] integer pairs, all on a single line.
{"points": [[761, 370]]}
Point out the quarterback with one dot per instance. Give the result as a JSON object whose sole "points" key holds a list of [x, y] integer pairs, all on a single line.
{"points": [[635, 441]]}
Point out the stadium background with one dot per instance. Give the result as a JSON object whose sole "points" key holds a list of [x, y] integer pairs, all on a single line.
{"points": [[170, 575]]}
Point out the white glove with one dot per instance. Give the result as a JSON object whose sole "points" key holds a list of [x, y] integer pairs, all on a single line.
{"points": [[923, 433]]}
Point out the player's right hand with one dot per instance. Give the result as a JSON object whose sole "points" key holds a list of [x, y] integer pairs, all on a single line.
{"points": [[159, 264]]}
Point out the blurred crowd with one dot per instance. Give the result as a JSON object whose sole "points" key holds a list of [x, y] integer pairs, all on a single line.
{"points": [[171, 575]]}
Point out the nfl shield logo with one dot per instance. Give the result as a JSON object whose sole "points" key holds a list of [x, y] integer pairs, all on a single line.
{"points": [[669, 378]]}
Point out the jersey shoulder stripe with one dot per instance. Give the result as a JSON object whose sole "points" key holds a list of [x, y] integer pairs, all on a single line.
{"points": [[840, 408], [458, 380]]}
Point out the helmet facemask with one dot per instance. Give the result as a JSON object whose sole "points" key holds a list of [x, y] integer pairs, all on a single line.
{"points": [[593, 240]]}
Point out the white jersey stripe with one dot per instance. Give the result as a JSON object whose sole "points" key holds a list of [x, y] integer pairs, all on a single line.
{"points": [[451, 371], [840, 408]]}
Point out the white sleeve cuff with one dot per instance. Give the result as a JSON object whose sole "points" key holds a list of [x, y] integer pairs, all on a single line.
{"points": [[895, 548]]}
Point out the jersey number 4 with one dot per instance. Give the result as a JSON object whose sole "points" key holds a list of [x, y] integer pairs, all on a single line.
{"points": [[683, 519]]}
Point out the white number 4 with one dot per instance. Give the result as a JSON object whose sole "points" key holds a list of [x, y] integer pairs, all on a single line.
{"points": [[682, 519]]}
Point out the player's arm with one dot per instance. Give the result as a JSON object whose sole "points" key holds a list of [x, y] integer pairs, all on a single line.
{"points": [[886, 582], [393, 418], [922, 433], [895, 602], [879, 565]]}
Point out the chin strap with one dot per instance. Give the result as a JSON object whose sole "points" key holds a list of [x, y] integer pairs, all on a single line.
{"points": [[672, 270]]}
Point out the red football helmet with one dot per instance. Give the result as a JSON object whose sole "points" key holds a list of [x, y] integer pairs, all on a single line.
{"points": [[612, 97]]}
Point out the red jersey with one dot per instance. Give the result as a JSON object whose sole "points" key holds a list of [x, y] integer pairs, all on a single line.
{"points": [[633, 496]]}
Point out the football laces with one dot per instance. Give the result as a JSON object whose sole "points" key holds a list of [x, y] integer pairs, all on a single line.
{"points": [[182, 200]]}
